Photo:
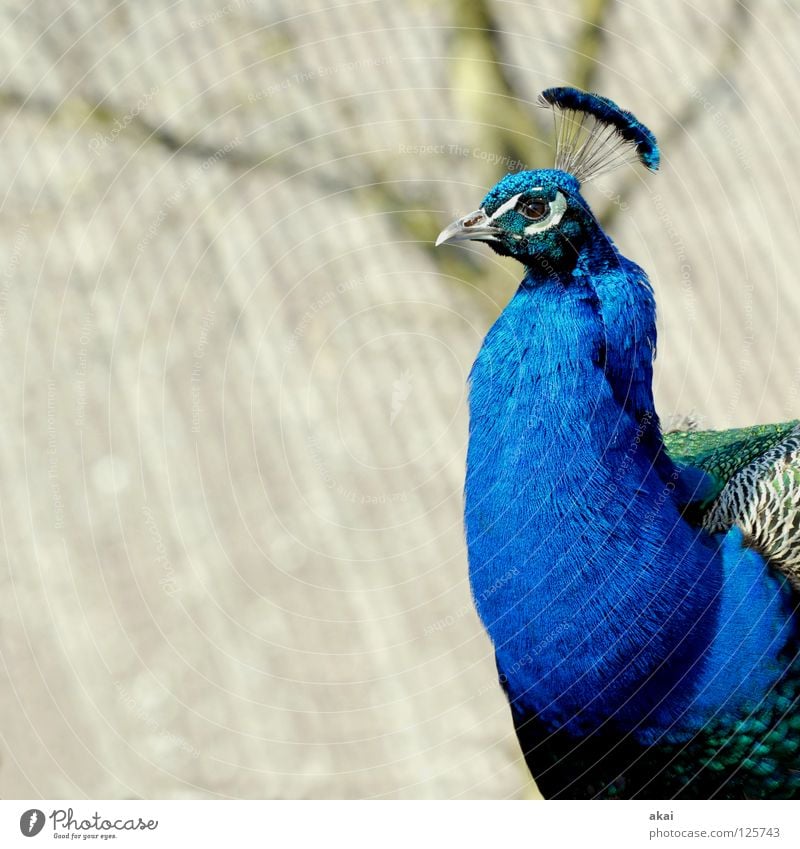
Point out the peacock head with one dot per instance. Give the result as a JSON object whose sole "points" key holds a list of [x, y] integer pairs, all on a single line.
{"points": [[531, 216], [540, 217]]}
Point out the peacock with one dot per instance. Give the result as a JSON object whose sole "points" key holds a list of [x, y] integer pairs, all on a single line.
{"points": [[640, 588]]}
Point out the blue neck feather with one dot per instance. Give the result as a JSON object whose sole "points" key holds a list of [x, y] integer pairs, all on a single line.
{"points": [[604, 605]]}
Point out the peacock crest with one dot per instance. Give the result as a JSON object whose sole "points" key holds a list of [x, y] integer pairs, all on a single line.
{"points": [[594, 135]]}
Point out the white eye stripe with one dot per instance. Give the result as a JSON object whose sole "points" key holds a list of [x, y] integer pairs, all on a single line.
{"points": [[558, 206], [511, 203], [506, 207]]}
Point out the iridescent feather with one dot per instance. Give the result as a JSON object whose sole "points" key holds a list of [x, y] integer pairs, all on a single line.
{"points": [[760, 471]]}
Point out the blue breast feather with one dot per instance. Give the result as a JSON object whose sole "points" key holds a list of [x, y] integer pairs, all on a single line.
{"points": [[605, 606]]}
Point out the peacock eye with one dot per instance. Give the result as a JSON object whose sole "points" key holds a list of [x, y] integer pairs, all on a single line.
{"points": [[535, 209]]}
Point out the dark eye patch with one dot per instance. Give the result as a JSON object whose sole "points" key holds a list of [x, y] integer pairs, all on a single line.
{"points": [[534, 209]]}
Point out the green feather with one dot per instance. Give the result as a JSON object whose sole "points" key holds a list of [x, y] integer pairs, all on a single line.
{"points": [[722, 453], [752, 756]]}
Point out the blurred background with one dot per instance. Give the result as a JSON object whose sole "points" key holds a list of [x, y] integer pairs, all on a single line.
{"points": [[233, 366]]}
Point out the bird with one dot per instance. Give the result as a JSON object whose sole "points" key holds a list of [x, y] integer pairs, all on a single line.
{"points": [[639, 585]]}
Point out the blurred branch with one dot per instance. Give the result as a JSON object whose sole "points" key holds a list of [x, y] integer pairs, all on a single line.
{"points": [[693, 108], [499, 112], [590, 42], [480, 79]]}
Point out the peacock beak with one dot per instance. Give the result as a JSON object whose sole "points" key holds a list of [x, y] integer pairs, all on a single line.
{"points": [[477, 225]]}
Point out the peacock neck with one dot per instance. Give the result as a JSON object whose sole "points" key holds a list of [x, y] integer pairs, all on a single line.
{"points": [[603, 604], [567, 513]]}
